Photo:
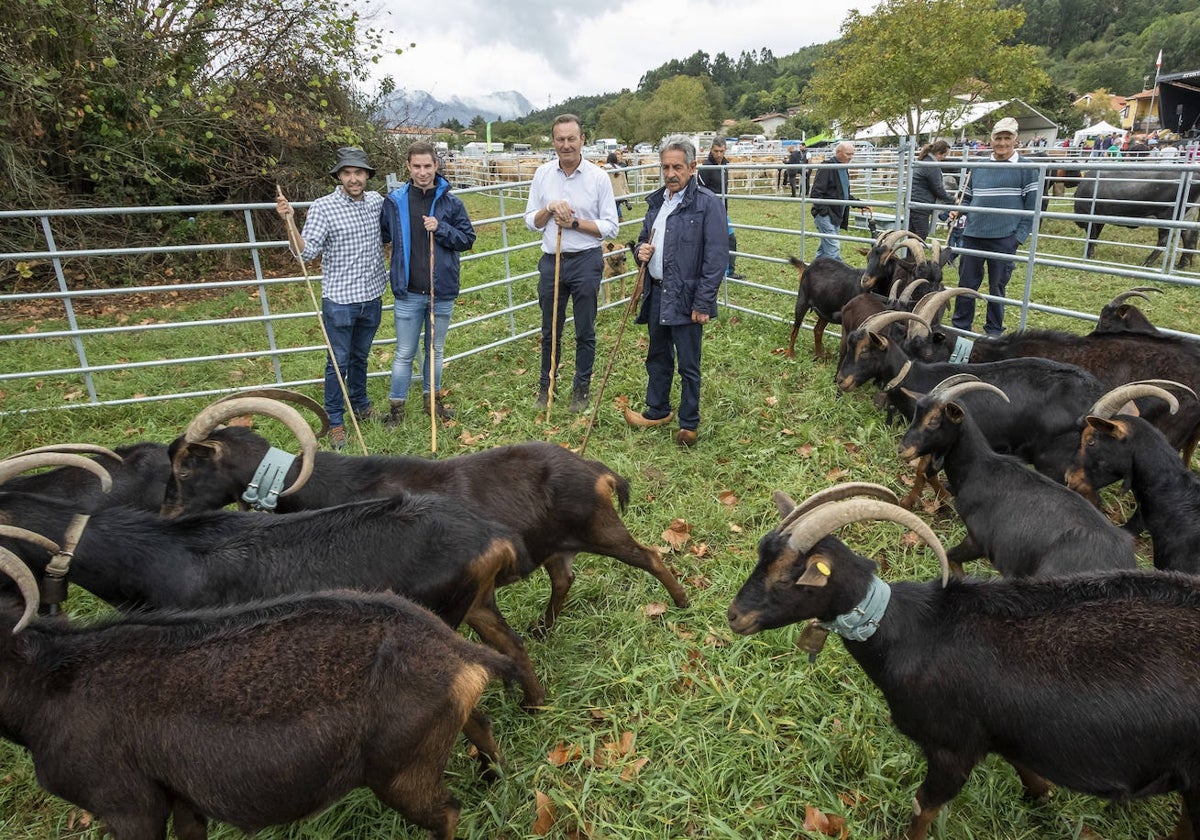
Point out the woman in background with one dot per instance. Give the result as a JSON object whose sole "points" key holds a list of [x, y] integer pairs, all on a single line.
{"points": [[927, 186]]}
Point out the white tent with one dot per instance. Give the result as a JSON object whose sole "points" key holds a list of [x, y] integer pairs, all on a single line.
{"points": [[1100, 129]]}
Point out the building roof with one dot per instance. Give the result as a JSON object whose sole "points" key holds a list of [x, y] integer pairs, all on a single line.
{"points": [[1029, 118]]}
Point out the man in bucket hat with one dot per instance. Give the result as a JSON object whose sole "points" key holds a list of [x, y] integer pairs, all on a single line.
{"points": [[1008, 187], [344, 229]]}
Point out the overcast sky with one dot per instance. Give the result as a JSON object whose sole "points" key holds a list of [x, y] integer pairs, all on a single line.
{"points": [[550, 50]]}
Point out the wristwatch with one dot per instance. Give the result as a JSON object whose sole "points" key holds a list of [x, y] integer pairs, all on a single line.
{"points": [[574, 224]]}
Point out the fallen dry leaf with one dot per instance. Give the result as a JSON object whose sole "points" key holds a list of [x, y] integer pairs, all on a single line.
{"points": [[772, 401], [632, 769], [805, 451], [700, 549], [836, 474], [469, 439], [700, 581], [828, 824], [910, 539], [735, 528], [787, 432], [654, 610], [562, 753], [498, 417], [727, 498], [677, 535], [713, 640], [545, 814]]}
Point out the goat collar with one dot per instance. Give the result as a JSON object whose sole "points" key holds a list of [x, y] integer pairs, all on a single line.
{"points": [[899, 377], [961, 354], [263, 491], [860, 623]]}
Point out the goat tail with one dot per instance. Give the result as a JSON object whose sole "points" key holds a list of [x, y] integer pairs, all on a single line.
{"points": [[617, 486], [798, 263]]}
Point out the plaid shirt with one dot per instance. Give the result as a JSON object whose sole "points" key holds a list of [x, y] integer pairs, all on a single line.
{"points": [[347, 233]]}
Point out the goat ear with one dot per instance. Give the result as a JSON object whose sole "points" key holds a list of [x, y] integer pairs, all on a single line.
{"points": [[783, 503], [955, 412], [877, 340], [817, 573], [1106, 427]]}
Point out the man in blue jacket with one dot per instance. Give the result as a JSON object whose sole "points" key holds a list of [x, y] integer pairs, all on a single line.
{"points": [[424, 222], [685, 246]]}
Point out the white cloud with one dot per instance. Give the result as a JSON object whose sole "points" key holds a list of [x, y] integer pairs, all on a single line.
{"points": [[550, 51]]}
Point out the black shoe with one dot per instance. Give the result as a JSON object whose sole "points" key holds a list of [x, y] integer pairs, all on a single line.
{"points": [[543, 397], [733, 275], [579, 400]]}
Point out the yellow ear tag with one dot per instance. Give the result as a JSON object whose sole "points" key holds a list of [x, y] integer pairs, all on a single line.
{"points": [[823, 568]]}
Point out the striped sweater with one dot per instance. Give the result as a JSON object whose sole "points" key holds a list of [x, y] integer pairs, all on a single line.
{"points": [[1015, 188]]}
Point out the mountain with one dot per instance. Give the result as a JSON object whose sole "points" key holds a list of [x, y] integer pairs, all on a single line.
{"points": [[418, 107]]}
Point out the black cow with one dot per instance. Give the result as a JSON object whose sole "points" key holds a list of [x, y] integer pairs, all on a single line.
{"points": [[1142, 194]]}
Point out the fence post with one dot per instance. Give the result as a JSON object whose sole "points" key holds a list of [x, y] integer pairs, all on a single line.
{"points": [[70, 309], [262, 296]]}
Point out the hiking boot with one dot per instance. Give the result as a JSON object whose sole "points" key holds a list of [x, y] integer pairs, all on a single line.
{"points": [[395, 413], [337, 438], [686, 438], [543, 397], [579, 399], [443, 413], [370, 414]]}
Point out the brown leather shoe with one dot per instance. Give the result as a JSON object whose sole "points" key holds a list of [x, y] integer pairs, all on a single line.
{"points": [[686, 438], [641, 421]]}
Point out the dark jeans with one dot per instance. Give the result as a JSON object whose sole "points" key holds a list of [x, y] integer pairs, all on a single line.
{"points": [[671, 346], [918, 222], [351, 328], [579, 281], [970, 276]]}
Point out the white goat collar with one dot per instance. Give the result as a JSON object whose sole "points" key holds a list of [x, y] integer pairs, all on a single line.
{"points": [[899, 377], [860, 623]]}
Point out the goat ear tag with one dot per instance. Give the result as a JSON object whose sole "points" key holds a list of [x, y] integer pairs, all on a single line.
{"points": [[812, 639], [817, 574]]}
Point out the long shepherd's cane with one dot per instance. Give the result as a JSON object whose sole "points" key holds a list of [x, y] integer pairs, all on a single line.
{"points": [[432, 349], [294, 241], [958, 198], [554, 322], [634, 300]]}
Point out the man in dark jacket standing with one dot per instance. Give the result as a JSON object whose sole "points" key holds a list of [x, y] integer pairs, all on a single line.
{"points": [[833, 182], [683, 243], [714, 175], [421, 212]]}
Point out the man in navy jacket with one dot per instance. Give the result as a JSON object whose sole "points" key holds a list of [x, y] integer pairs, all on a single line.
{"points": [[685, 245], [419, 213]]}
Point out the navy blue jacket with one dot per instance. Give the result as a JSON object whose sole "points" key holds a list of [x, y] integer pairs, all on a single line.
{"points": [[695, 255], [455, 233]]}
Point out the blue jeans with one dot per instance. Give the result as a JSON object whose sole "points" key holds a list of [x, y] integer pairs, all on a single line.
{"points": [[671, 346], [412, 316], [579, 281], [351, 328], [828, 246], [970, 276]]}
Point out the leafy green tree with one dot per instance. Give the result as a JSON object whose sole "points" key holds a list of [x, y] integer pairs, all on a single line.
{"points": [[453, 124], [622, 119], [678, 104], [903, 60]]}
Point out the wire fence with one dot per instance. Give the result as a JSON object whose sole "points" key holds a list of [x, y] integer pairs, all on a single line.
{"points": [[93, 343]]}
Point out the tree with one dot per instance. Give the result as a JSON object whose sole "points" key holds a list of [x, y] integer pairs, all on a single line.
{"points": [[622, 119], [678, 104], [902, 62]]}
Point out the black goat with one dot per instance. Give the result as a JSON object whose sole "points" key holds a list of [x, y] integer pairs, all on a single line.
{"points": [[1090, 682], [1115, 359], [1129, 449], [139, 473], [429, 548], [1119, 316], [1024, 523], [254, 715], [558, 502]]}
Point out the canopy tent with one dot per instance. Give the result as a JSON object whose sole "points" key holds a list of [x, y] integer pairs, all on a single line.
{"points": [[1179, 102], [1033, 123], [1100, 129]]}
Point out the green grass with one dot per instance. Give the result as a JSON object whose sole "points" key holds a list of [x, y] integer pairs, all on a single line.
{"points": [[740, 734]]}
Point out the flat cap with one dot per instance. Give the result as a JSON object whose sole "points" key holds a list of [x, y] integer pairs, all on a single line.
{"points": [[1006, 126]]}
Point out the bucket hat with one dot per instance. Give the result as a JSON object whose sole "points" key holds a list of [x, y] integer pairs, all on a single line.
{"points": [[350, 156]]}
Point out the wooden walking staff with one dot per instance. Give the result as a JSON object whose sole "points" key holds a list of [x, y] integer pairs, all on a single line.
{"points": [[634, 300], [554, 322], [952, 217], [432, 350], [294, 241]]}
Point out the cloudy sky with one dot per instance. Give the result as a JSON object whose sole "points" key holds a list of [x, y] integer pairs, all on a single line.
{"points": [[550, 50]]}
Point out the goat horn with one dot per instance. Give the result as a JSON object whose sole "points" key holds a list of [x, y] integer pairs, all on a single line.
{"points": [[934, 301], [93, 448], [910, 289], [287, 395], [876, 323], [1110, 403], [12, 566], [1136, 291], [889, 238], [31, 537], [835, 493], [827, 518], [952, 392], [24, 462], [916, 248], [218, 412]]}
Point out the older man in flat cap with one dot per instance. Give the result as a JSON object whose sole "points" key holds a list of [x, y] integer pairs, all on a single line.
{"points": [[344, 228], [1009, 187]]}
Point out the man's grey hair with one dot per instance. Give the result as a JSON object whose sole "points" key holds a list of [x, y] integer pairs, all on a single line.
{"points": [[845, 144], [679, 143]]}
